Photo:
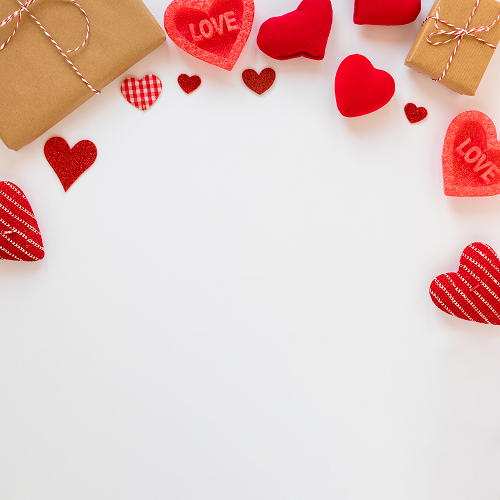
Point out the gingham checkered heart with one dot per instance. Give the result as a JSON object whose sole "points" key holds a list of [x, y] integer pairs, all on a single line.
{"points": [[473, 293], [20, 237], [142, 93]]}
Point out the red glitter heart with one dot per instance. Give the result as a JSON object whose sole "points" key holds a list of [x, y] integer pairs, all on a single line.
{"points": [[142, 93], [20, 237], [69, 163], [415, 114], [189, 83], [471, 156], [214, 31], [473, 293], [259, 83]]}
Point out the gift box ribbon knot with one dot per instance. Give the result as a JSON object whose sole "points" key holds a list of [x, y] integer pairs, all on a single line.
{"points": [[24, 8], [458, 34]]}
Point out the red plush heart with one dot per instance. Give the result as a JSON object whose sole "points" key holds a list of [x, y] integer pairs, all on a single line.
{"points": [[68, 163], [189, 83], [142, 93], [473, 293], [386, 12], [471, 156], [214, 31], [415, 114], [303, 32], [360, 88], [259, 83], [20, 237]]}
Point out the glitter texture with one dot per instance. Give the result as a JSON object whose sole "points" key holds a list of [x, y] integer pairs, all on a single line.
{"points": [[142, 93], [214, 31], [189, 83], [68, 163], [386, 12], [259, 83], [471, 155], [415, 114]]}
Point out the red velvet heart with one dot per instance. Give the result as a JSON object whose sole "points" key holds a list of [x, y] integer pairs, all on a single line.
{"points": [[471, 156], [259, 83], [386, 12], [303, 32], [360, 88], [473, 293], [189, 83], [68, 163], [214, 31], [20, 237], [415, 114]]}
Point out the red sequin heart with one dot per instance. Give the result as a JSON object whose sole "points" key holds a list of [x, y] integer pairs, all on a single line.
{"points": [[259, 83], [142, 93], [69, 163], [473, 293], [189, 83], [386, 12], [214, 31], [415, 114], [471, 156], [20, 237]]}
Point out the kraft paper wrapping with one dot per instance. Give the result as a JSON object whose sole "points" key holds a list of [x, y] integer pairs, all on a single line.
{"points": [[472, 57], [38, 88]]}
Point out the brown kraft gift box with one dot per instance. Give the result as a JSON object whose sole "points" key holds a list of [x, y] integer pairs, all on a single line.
{"points": [[38, 88], [472, 57]]}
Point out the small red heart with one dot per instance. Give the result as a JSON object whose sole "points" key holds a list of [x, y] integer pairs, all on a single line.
{"points": [[214, 31], [259, 83], [189, 83], [360, 88], [68, 163], [471, 156], [415, 114], [473, 293], [303, 32], [142, 93], [386, 12], [20, 237]]}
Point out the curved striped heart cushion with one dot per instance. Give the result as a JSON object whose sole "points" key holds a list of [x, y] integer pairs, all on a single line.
{"points": [[20, 237], [473, 293]]}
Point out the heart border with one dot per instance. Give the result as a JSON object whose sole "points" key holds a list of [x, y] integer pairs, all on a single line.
{"points": [[227, 62], [450, 188]]}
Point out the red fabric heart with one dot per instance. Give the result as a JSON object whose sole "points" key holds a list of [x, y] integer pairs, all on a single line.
{"points": [[20, 237], [360, 88], [142, 93], [214, 31], [68, 163], [386, 12], [303, 32], [189, 83], [259, 83], [415, 114], [471, 156], [473, 293]]}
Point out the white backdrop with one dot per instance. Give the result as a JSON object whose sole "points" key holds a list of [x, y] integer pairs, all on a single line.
{"points": [[234, 300]]}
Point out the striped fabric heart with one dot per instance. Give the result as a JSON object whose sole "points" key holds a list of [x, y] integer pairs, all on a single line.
{"points": [[473, 293], [142, 93], [20, 237]]}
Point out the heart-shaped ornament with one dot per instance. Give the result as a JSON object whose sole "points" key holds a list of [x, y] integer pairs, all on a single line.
{"points": [[189, 83], [69, 163], [360, 88], [471, 156], [214, 31], [259, 83], [20, 237], [142, 93], [386, 12], [415, 114], [473, 293], [303, 32]]}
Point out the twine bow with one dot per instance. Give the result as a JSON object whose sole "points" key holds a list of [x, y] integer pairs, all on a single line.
{"points": [[458, 34], [24, 8]]}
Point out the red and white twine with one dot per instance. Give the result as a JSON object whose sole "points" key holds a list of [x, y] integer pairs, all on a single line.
{"points": [[458, 34], [18, 15]]}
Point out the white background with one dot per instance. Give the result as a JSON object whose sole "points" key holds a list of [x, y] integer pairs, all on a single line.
{"points": [[234, 300]]}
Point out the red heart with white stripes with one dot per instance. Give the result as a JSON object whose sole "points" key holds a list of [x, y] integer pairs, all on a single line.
{"points": [[20, 237], [142, 93], [473, 293]]}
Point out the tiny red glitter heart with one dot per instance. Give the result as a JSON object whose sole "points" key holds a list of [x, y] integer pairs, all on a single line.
{"points": [[415, 114], [142, 93], [69, 163], [259, 83], [189, 83]]}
